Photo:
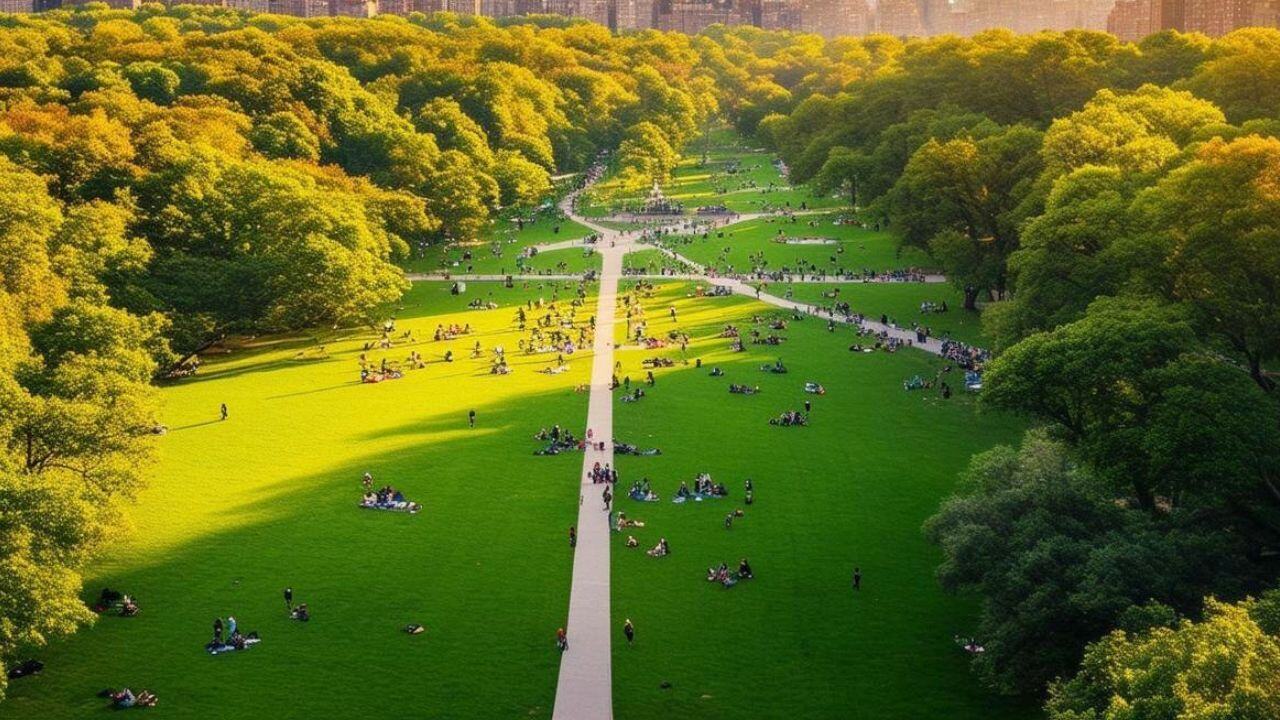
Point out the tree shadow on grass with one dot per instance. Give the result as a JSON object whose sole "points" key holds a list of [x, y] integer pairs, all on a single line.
{"points": [[484, 567]]}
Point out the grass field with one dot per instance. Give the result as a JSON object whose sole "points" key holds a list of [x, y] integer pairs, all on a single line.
{"points": [[755, 244], [899, 301], [509, 241], [238, 510], [741, 178], [851, 489]]}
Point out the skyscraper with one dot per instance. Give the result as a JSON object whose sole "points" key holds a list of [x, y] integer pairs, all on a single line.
{"points": [[899, 17]]}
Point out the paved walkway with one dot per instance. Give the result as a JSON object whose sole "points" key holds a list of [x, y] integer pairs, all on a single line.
{"points": [[585, 688]]}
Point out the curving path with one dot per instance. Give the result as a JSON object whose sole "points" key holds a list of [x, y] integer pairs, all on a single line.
{"points": [[584, 689]]}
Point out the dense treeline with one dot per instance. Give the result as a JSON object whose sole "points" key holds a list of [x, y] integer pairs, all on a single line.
{"points": [[1122, 201], [169, 176]]}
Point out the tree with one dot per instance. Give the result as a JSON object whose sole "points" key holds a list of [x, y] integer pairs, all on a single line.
{"points": [[1057, 563], [1224, 666], [1067, 255], [1126, 386], [1218, 219], [963, 199]]}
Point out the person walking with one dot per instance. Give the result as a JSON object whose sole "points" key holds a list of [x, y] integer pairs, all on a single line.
{"points": [[807, 406], [629, 630], [288, 598], [562, 640], [607, 497], [471, 418], [857, 578], [224, 411], [573, 536]]}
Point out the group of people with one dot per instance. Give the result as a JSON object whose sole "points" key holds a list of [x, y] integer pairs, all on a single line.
{"points": [[124, 604], [642, 492], [703, 487], [728, 578], [557, 440], [735, 389], [228, 638], [385, 498], [603, 474], [790, 418]]}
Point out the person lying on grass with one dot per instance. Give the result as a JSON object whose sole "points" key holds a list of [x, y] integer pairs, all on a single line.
{"points": [[624, 522], [716, 372], [633, 396], [776, 367], [126, 698], [743, 389], [790, 418], [621, 448], [388, 498]]}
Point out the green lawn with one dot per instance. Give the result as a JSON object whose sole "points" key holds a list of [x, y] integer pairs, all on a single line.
{"points": [[757, 244], [735, 175], [900, 301], [851, 489], [239, 509], [653, 261], [503, 244]]}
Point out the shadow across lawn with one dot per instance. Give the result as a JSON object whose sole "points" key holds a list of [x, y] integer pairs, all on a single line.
{"points": [[484, 566]]}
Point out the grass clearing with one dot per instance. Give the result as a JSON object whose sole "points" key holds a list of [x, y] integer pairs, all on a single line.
{"points": [[238, 510], [850, 489]]}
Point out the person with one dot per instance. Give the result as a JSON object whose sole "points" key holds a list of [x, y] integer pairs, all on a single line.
{"points": [[728, 521], [288, 598], [857, 578], [217, 631], [607, 496], [300, 613], [231, 626], [471, 418], [744, 569], [573, 536], [562, 640], [224, 411], [629, 630], [808, 406]]}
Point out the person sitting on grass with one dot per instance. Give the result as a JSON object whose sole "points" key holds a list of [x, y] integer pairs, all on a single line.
{"points": [[301, 613], [776, 368], [815, 388], [632, 541], [717, 372], [662, 549], [634, 396], [744, 569]]}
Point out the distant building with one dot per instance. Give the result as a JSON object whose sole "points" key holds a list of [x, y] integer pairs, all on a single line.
{"points": [[1130, 20], [899, 17], [833, 18], [1216, 18]]}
